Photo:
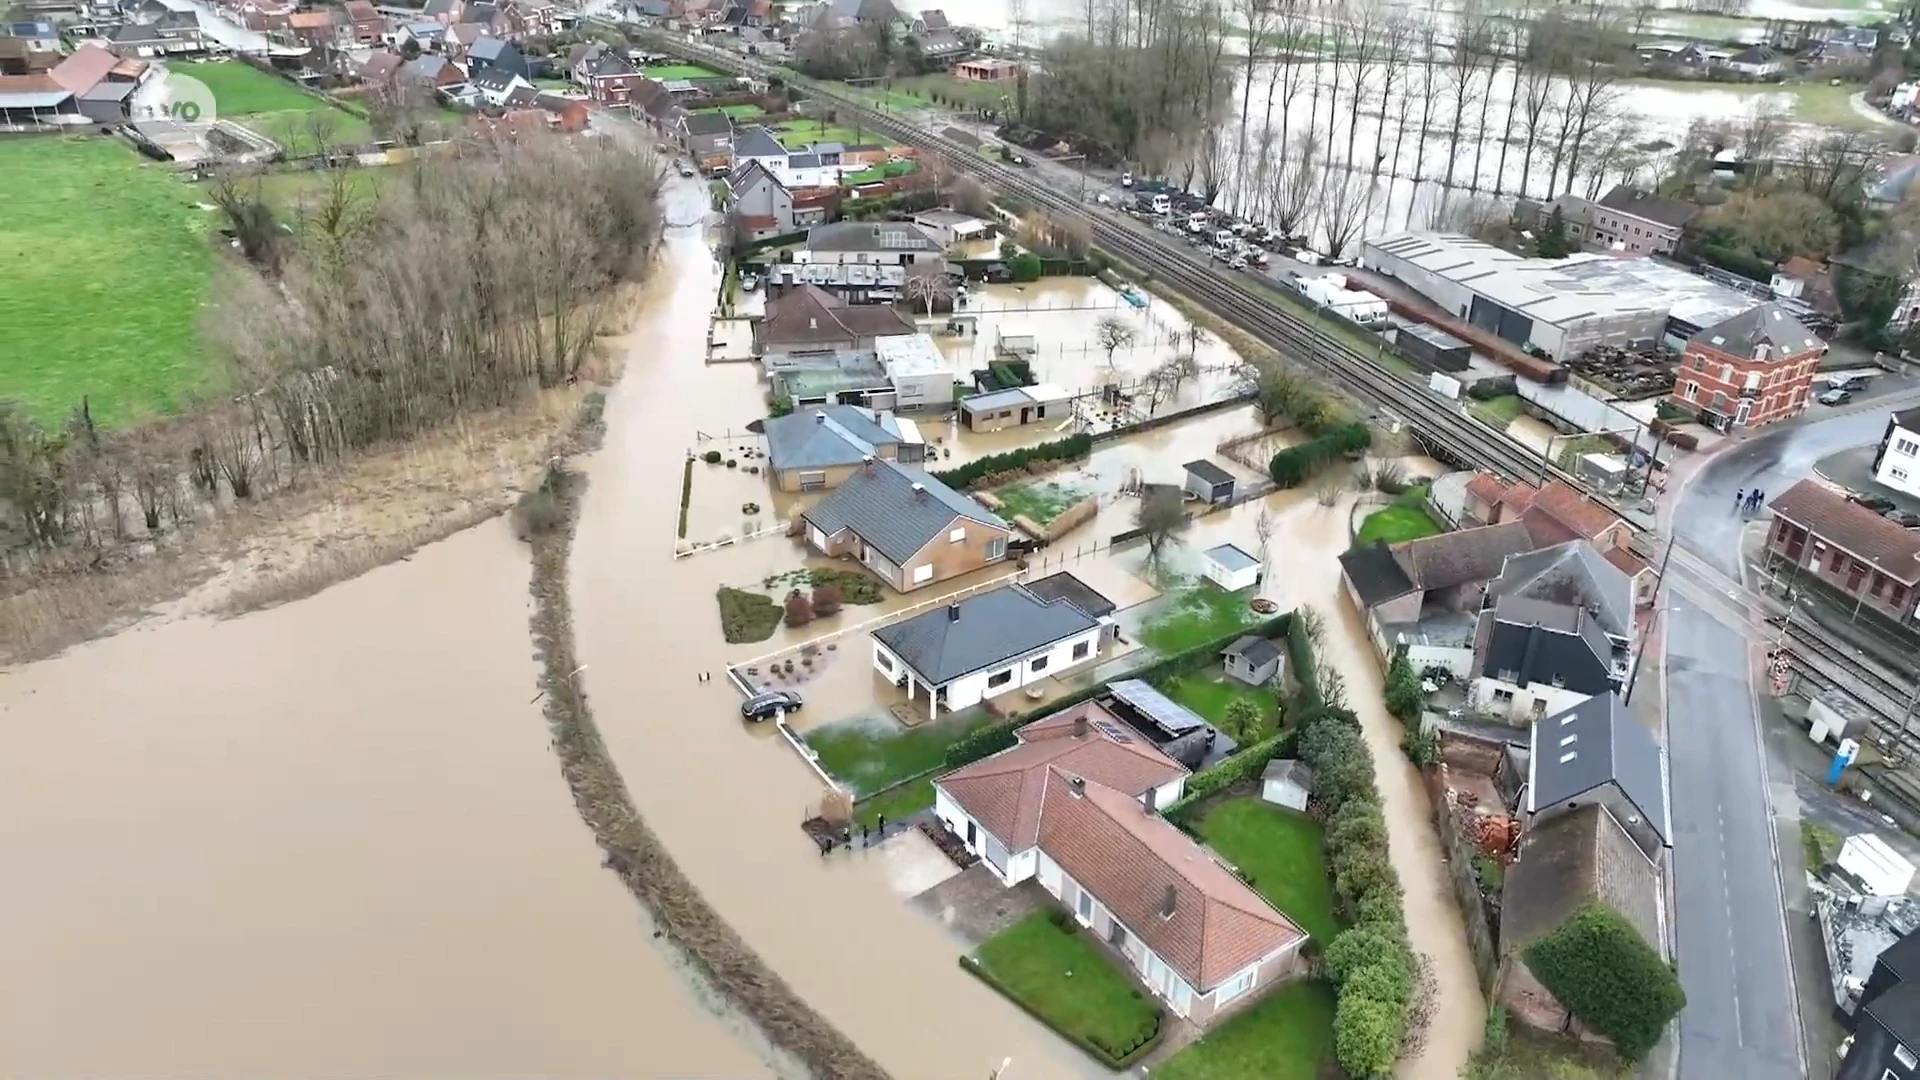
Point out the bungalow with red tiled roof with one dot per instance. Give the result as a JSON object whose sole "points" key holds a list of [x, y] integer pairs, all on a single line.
{"points": [[1844, 545], [1072, 805], [1557, 513]]}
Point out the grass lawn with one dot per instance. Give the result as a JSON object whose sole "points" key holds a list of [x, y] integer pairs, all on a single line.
{"points": [[1498, 412], [558, 84], [737, 112], [1067, 982], [880, 172], [1193, 612], [272, 106], [1040, 501], [867, 754], [1394, 524], [1210, 692], [797, 133], [104, 264], [747, 616], [1279, 851], [1811, 102], [660, 72], [1530, 1054], [898, 805], [923, 89], [1283, 1036]]}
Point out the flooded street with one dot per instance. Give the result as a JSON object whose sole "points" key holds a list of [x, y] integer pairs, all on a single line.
{"points": [[326, 839], [726, 801]]}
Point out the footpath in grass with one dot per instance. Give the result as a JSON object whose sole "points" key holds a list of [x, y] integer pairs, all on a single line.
{"points": [[1279, 852], [271, 105], [106, 267], [1286, 1035], [1066, 981]]}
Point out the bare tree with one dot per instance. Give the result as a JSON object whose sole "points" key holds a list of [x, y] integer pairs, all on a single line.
{"points": [[1462, 74], [970, 197], [1534, 91], [929, 289], [1112, 335], [1762, 131], [1343, 208], [251, 220], [1263, 532], [1161, 516], [1295, 185], [1257, 17]]}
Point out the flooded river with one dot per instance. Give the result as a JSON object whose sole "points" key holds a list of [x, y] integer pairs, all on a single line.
{"points": [[323, 840]]}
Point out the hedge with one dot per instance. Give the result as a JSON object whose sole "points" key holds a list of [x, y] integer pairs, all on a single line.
{"points": [[1597, 965], [1100, 1053], [1245, 764], [1067, 449], [1290, 467], [997, 737]]}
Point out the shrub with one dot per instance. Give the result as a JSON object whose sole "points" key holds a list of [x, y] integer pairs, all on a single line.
{"points": [[1381, 912], [1596, 964], [827, 599], [1243, 765], [1382, 978], [1421, 748], [1290, 467], [711, 457], [781, 406], [1358, 824], [1067, 449], [1355, 948], [1025, 267], [799, 609], [686, 497], [1367, 1035], [1360, 873], [747, 616], [538, 511], [1405, 698]]}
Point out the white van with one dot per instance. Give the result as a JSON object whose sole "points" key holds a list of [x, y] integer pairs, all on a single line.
{"points": [[1224, 238], [1162, 204], [1197, 221]]}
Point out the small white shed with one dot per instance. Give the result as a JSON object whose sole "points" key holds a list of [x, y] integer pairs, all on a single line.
{"points": [[1230, 567], [1884, 871], [1015, 340], [1286, 783]]}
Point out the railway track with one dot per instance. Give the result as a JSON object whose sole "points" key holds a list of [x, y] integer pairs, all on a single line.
{"points": [[1451, 434]]}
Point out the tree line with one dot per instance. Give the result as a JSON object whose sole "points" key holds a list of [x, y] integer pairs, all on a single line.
{"points": [[362, 321]]}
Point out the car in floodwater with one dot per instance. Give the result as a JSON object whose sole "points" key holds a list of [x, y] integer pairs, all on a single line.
{"points": [[1835, 397], [770, 705]]}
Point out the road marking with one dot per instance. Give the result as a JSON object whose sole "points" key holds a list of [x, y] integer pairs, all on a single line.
{"points": [[1739, 1029]]}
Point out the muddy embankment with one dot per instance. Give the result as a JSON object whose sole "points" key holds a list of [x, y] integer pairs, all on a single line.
{"points": [[795, 1032]]}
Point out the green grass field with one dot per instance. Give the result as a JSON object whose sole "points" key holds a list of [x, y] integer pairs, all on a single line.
{"points": [[1283, 1036], [292, 194], [868, 754], [272, 106], [1065, 980], [1194, 611], [737, 112], [798, 133], [104, 266], [1279, 852], [662, 72], [1208, 692]]}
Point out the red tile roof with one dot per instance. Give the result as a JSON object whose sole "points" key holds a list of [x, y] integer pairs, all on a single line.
{"points": [[1626, 561], [1487, 488], [1853, 528], [1574, 509], [1130, 859], [82, 71], [1004, 792], [29, 84], [311, 20]]}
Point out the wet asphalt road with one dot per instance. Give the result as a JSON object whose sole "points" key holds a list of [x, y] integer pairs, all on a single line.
{"points": [[1733, 957]]}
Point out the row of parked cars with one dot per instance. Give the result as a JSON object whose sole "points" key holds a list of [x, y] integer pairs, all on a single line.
{"points": [[1235, 241]]}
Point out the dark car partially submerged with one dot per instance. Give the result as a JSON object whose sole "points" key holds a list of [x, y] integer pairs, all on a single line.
{"points": [[770, 705]]}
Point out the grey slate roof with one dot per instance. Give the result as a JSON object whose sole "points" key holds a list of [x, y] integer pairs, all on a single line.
{"points": [[871, 236], [1542, 642], [996, 399], [493, 78], [757, 141], [1375, 574], [1595, 742], [881, 506], [707, 124], [1570, 573], [981, 631], [804, 161], [820, 436], [1767, 324], [1208, 472], [1254, 649], [1063, 585], [1230, 556]]}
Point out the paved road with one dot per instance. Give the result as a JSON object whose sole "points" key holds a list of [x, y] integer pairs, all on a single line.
{"points": [[1740, 1018]]}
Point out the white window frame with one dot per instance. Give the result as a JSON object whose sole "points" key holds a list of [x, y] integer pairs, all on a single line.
{"points": [[957, 535], [1240, 984], [1082, 649], [1039, 663], [998, 679], [997, 548], [923, 574]]}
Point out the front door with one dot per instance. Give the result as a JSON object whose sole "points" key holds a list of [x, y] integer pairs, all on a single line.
{"points": [[971, 834], [1117, 935], [1024, 414]]}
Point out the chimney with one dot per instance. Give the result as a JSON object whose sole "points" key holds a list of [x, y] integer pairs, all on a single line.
{"points": [[1167, 902], [953, 612], [1080, 726], [1077, 786], [919, 491], [1152, 795], [866, 462]]}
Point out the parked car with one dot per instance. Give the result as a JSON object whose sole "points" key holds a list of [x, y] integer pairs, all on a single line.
{"points": [[766, 706], [1238, 262], [1879, 504], [1906, 519], [686, 169], [1835, 397], [749, 282]]}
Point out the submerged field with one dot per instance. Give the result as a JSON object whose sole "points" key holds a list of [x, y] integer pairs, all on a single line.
{"points": [[103, 270]]}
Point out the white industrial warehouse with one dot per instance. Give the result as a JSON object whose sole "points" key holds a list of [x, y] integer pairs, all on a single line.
{"points": [[1562, 307]]}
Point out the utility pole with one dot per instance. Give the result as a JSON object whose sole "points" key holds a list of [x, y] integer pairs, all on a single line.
{"points": [[1640, 650]]}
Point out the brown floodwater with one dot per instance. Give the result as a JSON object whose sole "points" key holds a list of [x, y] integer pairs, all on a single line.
{"points": [[327, 839]]}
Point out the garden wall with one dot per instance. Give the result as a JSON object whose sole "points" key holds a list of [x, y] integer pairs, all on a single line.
{"points": [[1466, 886]]}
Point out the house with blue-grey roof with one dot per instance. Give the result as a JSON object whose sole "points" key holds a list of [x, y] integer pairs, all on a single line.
{"points": [[1596, 752], [906, 527], [818, 447], [957, 655]]}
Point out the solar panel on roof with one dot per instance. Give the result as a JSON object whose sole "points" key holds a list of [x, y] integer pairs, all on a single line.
{"points": [[1172, 716], [1112, 731]]}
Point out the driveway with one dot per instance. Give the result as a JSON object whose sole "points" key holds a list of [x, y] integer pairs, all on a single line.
{"points": [[1741, 1019]]}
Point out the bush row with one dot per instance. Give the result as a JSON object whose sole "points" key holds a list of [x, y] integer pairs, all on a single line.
{"points": [[1292, 466], [1407, 701], [997, 737], [1245, 764], [963, 476], [1370, 963]]}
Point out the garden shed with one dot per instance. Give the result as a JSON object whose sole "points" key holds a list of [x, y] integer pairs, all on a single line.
{"points": [[1230, 568], [1252, 660], [1208, 482], [1286, 783]]}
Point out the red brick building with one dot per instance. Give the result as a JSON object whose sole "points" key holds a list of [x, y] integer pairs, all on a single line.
{"points": [[1752, 369], [1848, 547]]}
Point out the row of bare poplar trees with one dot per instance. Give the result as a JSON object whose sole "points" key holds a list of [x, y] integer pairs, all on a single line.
{"points": [[468, 282]]}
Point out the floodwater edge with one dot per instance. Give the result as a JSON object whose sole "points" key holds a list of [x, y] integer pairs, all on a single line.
{"points": [[724, 971]]}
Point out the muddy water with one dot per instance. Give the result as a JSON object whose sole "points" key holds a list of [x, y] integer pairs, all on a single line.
{"points": [[323, 840], [728, 803]]}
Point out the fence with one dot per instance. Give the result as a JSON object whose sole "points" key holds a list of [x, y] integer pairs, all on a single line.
{"points": [[727, 541]]}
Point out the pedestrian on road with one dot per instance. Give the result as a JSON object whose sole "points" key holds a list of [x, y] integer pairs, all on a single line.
{"points": [[1754, 500], [883, 826], [1739, 499]]}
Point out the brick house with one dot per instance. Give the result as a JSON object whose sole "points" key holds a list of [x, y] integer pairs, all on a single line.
{"points": [[605, 73], [367, 22], [1752, 369], [1627, 220], [1557, 513], [1847, 547]]}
